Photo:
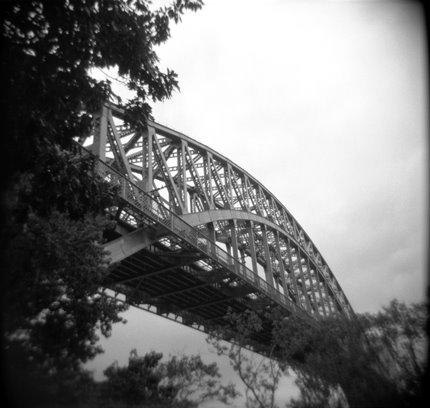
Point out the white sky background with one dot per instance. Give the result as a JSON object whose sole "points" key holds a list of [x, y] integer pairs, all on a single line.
{"points": [[324, 102]]}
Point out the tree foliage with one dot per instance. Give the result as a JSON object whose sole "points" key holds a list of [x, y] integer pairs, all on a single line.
{"points": [[52, 257], [331, 355], [138, 382], [372, 360], [195, 381], [400, 334], [180, 382], [260, 376], [48, 48]]}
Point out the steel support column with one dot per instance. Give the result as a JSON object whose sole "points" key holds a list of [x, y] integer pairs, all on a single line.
{"points": [[268, 269]]}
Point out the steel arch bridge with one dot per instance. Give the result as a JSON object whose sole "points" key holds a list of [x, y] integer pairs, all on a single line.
{"points": [[197, 235]]}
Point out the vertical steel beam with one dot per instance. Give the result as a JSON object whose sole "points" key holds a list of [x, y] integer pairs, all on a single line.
{"points": [[183, 171], [117, 139], [302, 276], [322, 299], [245, 195], [235, 248], [312, 284], [291, 267], [327, 299], [302, 286], [268, 270], [208, 179], [281, 263], [275, 211], [100, 137], [147, 163], [228, 185], [251, 197], [250, 230], [211, 231], [178, 177]]}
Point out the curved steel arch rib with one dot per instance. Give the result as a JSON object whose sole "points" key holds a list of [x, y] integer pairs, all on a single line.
{"points": [[291, 270], [224, 203]]}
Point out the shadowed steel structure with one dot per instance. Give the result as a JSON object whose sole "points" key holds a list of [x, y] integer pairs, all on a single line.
{"points": [[197, 235]]}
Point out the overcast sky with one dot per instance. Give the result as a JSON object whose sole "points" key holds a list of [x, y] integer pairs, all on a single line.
{"points": [[323, 102]]}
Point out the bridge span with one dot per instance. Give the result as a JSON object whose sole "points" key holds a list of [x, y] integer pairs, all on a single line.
{"points": [[197, 235]]}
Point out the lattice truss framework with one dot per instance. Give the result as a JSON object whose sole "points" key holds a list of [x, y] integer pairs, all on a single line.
{"points": [[223, 203]]}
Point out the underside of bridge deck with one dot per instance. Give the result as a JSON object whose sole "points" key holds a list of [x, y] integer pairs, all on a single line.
{"points": [[183, 284]]}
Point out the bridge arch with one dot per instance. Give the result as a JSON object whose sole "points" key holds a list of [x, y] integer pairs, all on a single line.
{"points": [[172, 188], [303, 282]]}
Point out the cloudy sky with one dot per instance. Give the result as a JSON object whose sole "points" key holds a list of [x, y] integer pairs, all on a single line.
{"points": [[324, 102]]}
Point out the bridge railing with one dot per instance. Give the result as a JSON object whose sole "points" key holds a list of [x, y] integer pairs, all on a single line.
{"points": [[141, 202]]}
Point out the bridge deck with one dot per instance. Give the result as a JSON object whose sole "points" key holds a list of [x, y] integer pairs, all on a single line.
{"points": [[183, 275], [197, 235]]}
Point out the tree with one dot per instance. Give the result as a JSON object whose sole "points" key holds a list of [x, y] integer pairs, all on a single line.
{"points": [[377, 359], [180, 382], [195, 381], [260, 376], [54, 303], [331, 355], [400, 333], [52, 260], [136, 383], [370, 360], [48, 96]]}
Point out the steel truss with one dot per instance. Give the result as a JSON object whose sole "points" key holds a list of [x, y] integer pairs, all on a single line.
{"points": [[197, 234]]}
